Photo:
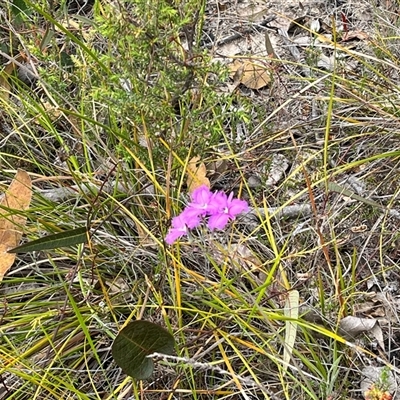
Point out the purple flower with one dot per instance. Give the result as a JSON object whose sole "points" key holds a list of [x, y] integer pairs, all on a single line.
{"points": [[180, 224], [190, 217], [223, 209], [218, 206], [173, 235], [201, 199]]}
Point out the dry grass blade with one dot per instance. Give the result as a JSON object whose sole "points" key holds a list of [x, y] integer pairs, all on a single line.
{"points": [[292, 312]]}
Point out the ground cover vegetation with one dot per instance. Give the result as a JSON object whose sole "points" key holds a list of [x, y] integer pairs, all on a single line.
{"points": [[114, 108]]}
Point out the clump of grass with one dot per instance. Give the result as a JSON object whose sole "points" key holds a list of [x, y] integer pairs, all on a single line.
{"points": [[123, 97]]}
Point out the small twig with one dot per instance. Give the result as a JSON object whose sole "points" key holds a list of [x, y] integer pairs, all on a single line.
{"points": [[58, 195], [239, 35], [293, 211], [15, 60]]}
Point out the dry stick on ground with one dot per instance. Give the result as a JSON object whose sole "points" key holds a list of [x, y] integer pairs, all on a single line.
{"points": [[58, 195], [245, 31], [293, 211], [206, 366]]}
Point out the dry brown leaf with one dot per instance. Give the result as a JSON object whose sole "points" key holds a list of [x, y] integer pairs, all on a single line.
{"points": [[350, 327], [5, 74], [246, 258], [237, 72], [355, 35], [252, 75], [51, 111], [196, 174], [4, 85], [16, 199]]}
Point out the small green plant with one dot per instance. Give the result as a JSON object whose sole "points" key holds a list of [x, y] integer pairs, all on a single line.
{"points": [[379, 390], [376, 393]]}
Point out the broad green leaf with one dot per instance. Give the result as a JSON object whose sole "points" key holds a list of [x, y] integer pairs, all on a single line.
{"points": [[63, 239], [19, 10], [340, 189], [291, 311], [138, 340], [66, 61]]}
